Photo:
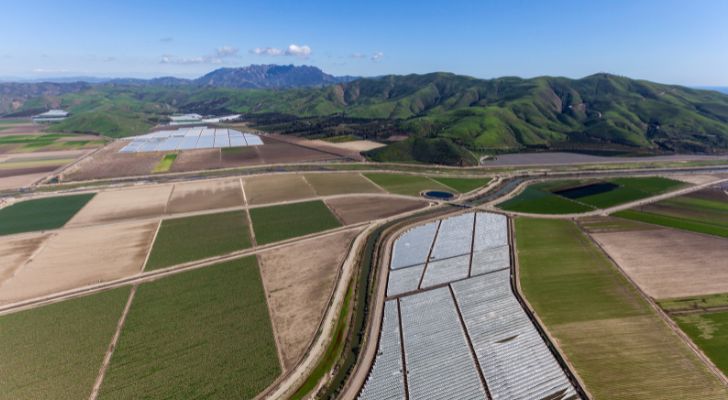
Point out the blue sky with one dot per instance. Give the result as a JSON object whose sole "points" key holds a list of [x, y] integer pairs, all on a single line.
{"points": [[683, 42]]}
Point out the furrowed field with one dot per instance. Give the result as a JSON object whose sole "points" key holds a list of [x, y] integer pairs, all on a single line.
{"points": [[193, 238], [56, 351], [41, 214], [276, 223], [199, 334], [566, 197], [616, 342]]}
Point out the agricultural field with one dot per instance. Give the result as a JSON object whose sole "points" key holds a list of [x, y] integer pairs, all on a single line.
{"points": [[274, 188], [57, 350], [695, 303], [669, 263], [462, 185], [204, 333], [352, 210], [205, 195], [710, 332], [341, 183], [165, 164], [76, 257], [276, 223], [410, 185], [574, 196], [43, 142], [41, 214], [109, 163], [299, 280], [705, 211], [193, 238], [121, 204], [615, 341]]}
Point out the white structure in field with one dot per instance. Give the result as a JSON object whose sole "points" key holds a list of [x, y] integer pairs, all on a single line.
{"points": [[460, 330], [190, 139], [51, 116], [185, 119]]}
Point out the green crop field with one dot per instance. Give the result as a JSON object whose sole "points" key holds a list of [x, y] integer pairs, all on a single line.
{"points": [[616, 342], [56, 351], [534, 199], [205, 333], [695, 302], [462, 185], [692, 213], [165, 163], [410, 185], [570, 196], [193, 238], [710, 332], [276, 223], [41, 214], [340, 183]]}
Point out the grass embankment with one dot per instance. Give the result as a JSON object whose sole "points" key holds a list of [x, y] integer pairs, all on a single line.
{"points": [[41, 214], [616, 342], [56, 351], [574, 196], [684, 212], [276, 223], [199, 334], [410, 185], [165, 163], [710, 332], [463, 185], [193, 238]]}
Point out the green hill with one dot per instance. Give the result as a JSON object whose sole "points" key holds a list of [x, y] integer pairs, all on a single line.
{"points": [[450, 119]]}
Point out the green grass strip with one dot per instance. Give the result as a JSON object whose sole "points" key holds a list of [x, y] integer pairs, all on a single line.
{"points": [[165, 163], [41, 214], [462, 185], [276, 223], [674, 222]]}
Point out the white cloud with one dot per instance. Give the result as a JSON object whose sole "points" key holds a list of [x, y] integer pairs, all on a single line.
{"points": [[376, 57], [226, 51], [298, 51], [267, 51]]}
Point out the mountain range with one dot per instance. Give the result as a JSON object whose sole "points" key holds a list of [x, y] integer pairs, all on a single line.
{"points": [[449, 119]]}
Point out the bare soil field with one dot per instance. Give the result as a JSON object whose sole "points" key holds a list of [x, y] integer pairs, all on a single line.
{"points": [[205, 195], [15, 250], [669, 263], [241, 156], [73, 258], [109, 163], [280, 150], [298, 281], [21, 129], [42, 156], [340, 183], [113, 205], [351, 210], [274, 188], [194, 160], [563, 158], [18, 181], [695, 179]]}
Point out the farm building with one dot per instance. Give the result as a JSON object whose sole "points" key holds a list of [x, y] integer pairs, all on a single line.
{"points": [[51, 116]]}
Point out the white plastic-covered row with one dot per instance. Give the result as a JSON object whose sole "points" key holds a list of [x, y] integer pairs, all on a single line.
{"points": [[386, 379], [491, 230], [413, 246], [404, 280], [514, 359], [491, 259], [447, 270], [439, 362], [190, 138], [454, 237]]}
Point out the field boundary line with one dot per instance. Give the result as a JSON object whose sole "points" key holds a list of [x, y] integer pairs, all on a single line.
{"points": [[429, 254], [253, 242], [707, 362], [478, 368], [169, 199], [151, 246], [372, 182], [472, 244], [30, 258], [566, 365], [112, 346], [403, 355], [279, 347]]}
